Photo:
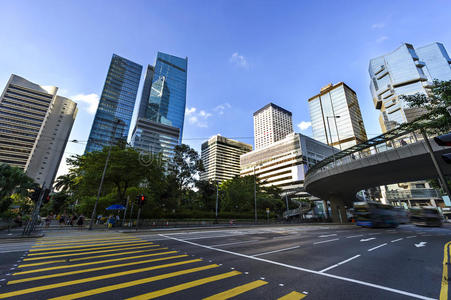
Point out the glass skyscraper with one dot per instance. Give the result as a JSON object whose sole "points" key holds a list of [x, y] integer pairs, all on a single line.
{"points": [[161, 114], [336, 117], [405, 71], [116, 104]]}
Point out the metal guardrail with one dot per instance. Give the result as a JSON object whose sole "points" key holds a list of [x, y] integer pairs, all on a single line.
{"points": [[412, 194], [380, 143]]}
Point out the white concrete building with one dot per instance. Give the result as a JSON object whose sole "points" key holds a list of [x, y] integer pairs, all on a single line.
{"points": [[272, 123], [35, 125], [221, 158]]}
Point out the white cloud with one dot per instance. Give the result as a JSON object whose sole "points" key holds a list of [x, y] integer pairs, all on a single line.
{"points": [[378, 25], [92, 101], [222, 107], [190, 111], [304, 125], [239, 60], [381, 39], [204, 114]]}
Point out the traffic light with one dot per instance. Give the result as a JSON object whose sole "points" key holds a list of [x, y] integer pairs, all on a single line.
{"points": [[46, 197], [36, 193], [142, 199], [443, 140]]}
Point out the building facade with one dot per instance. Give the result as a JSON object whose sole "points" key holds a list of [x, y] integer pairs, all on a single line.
{"points": [[285, 163], [115, 110], [221, 158], [336, 117], [162, 104], [35, 124], [154, 138], [405, 71], [272, 123]]}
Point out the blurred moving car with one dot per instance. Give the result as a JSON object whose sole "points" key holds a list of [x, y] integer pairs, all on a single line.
{"points": [[375, 214], [402, 215], [426, 216]]}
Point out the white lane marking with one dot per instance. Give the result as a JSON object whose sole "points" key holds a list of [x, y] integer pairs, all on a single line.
{"points": [[353, 236], [374, 233], [377, 247], [366, 240], [304, 269], [340, 263], [219, 245], [421, 244], [397, 240], [412, 236], [326, 241], [212, 237], [327, 235], [284, 249]]}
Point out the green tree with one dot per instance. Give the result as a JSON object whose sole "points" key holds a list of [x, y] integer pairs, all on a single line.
{"points": [[435, 103], [65, 183], [124, 170], [12, 180], [206, 193], [184, 168]]}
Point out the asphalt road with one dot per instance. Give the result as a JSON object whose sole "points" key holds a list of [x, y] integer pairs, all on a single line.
{"points": [[277, 262]]}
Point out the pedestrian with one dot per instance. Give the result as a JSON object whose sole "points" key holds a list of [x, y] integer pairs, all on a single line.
{"points": [[72, 220], [80, 221], [62, 220]]}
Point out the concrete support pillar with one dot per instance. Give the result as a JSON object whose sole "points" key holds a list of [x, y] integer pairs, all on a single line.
{"points": [[338, 210], [326, 209]]}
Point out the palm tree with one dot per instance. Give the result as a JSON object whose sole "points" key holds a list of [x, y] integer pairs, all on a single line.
{"points": [[65, 183]]}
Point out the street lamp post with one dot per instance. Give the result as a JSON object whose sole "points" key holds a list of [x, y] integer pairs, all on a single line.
{"points": [[217, 200], [255, 197], [330, 134], [93, 215]]}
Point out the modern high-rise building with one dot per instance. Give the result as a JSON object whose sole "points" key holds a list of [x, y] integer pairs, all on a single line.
{"points": [[405, 71], [221, 158], [285, 162], [162, 107], [115, 110], [272, 123], [35, 124], [336, 117], [153, 137]]}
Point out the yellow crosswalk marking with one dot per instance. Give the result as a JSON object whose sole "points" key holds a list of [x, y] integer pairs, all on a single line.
{"points": [[76, 240], [237, 290], [132, 283], [84, 253], [95, 247], [445, 273], [111, 275], [94, 263], [98, 256], [293, 296], [86, 270], [85, 243], [184, 286]]}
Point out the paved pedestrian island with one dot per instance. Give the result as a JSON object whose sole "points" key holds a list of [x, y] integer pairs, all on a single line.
{"points": [[119, 266]]}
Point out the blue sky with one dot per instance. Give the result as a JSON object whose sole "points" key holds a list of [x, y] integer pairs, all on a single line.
{"points": [[241, 54]]}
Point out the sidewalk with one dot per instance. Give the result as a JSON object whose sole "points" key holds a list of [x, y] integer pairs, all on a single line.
{"points": [[16, 233]]}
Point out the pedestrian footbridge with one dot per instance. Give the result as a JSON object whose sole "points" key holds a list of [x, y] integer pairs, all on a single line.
{"points": [[400, 155]]}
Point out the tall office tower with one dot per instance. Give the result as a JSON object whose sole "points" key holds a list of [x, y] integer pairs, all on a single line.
{"points": [[116, 104], [272, 123], [35, 124], [336, 117], [405, 71], [162, 108], [221, 158]]}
